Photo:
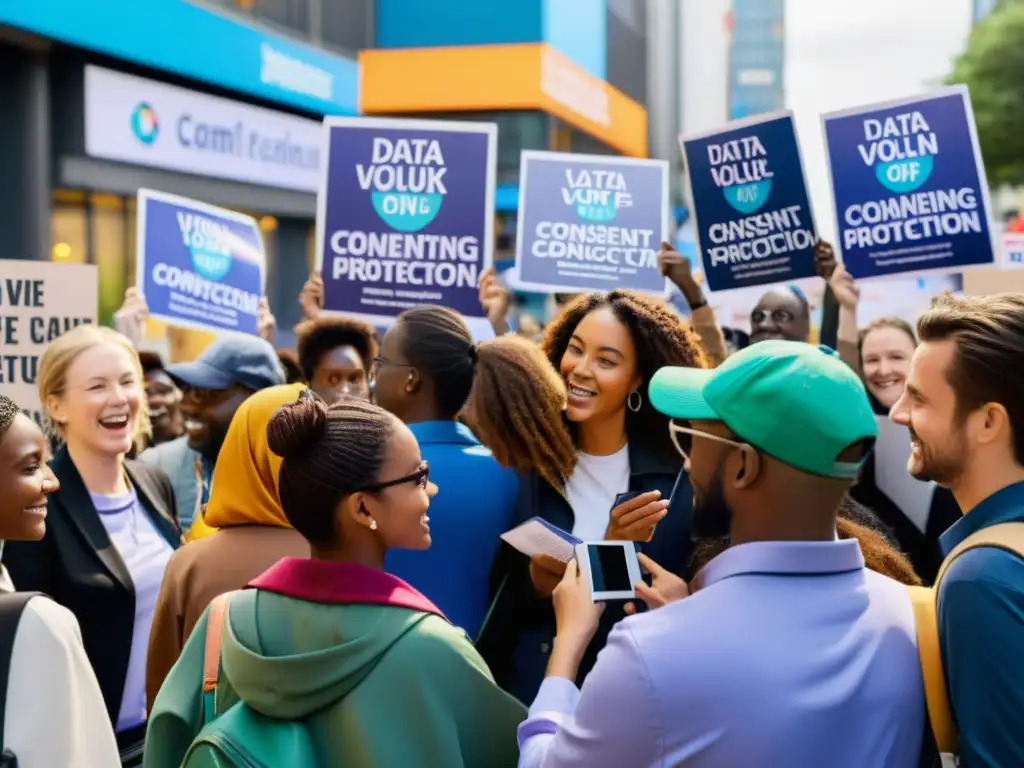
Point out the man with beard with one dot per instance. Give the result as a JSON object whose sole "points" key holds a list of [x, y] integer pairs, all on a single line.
{"points": [[964, 407], [789, 652], [213, 386]]}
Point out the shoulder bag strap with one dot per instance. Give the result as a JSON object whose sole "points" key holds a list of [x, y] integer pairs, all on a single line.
{"points": [[1005, 536], [211, 657], [12, 606]]}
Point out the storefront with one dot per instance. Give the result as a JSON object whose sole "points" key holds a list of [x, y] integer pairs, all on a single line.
{"points": [[172, 96]]}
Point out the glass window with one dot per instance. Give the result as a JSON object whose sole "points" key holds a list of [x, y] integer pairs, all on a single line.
{"points": [[68, 228], [108, 246]]}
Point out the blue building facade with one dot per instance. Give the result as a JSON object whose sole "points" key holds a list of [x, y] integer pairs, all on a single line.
{"points": [[757, 57], [107, 96]]}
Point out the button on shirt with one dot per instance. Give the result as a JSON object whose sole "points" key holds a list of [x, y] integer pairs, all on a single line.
{"points": [[981, 629], [792, 655]]}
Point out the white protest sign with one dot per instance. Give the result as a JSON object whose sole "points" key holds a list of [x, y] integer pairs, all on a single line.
{"points": [[38, 302]]}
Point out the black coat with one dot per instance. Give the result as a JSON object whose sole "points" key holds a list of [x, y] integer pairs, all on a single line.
{"points": [[76, 564], [518, 634]]}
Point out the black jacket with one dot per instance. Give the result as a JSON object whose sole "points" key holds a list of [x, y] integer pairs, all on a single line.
{"points": [[77, 565], [517, 636]]}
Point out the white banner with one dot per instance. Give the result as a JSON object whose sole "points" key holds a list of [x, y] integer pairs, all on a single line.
{"points": [[38, 302], [135, 120]]}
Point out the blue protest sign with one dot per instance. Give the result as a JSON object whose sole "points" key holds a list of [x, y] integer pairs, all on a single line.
{"points": [[405, 215], [590, 222], [909, 186], [750, 202], [199, 266]]}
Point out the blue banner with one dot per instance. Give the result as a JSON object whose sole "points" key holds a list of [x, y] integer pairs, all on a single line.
{"points": [[909, 186], [590, 222], [199, 266], [750, 203], [405, 215]]}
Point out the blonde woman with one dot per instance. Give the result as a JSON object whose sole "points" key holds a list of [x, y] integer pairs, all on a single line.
{"points": [[110, 528]]}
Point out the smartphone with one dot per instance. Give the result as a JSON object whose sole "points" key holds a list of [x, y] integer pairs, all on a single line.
{"points": [[622, 498], [611, 569]]}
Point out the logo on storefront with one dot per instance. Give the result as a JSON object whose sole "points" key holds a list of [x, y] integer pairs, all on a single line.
{"points": [[144, 123]]}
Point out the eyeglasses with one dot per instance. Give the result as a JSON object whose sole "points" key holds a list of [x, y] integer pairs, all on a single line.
{"points": [[777, 316], [674, 431], [420, 477], [204, 396], [381, 362]]}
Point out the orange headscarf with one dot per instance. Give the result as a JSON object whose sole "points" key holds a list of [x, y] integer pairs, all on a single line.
{"points": [[244, 486]]}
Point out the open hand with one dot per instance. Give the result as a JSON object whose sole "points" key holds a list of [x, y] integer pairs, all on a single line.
{"points": [[130, 318], [495, 299]]}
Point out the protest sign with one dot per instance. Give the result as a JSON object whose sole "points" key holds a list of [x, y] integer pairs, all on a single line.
{"points": [[38, 302], [909, 186], [405, 215], [199, 266], [1013, 251], [590, 222], [754, 220]]}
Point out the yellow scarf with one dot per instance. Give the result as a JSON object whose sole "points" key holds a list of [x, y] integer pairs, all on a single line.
{"points": [[244, 486]]}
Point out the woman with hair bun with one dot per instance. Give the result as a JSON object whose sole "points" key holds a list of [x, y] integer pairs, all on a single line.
{"points": [[370, 666]]}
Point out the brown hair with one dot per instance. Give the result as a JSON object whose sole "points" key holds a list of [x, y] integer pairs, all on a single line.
{"points": [[661, 338], [327, 454], [515, 408], [896, 323], [879, 555], [316, 337], [988, 361]]}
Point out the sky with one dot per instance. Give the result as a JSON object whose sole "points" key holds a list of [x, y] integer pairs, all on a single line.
{"points": [[843, 53]]}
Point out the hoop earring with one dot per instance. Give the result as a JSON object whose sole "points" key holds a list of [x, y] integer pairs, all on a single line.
{"points": [[639, 401]]}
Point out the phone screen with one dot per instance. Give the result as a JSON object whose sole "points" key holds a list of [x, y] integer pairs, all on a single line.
{"points": [[608, 568]]}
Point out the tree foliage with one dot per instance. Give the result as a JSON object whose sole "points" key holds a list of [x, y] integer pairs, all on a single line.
{"points": [[992, 67]]}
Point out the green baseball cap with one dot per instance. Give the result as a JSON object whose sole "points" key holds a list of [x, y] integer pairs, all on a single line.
{"points": [[797, 402]]}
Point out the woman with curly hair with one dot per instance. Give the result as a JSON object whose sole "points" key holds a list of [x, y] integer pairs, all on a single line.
{"points": [[625, 484]]}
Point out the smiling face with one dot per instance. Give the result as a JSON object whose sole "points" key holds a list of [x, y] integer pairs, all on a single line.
{"points": [[885, 360], [779, 315], [164, 401], [400, 507], [207, 415], [599, 366], [928, 408], [99, 402], [26, 481]]}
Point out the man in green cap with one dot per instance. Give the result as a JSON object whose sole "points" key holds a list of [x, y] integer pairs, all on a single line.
{"points": [[789, 652]]}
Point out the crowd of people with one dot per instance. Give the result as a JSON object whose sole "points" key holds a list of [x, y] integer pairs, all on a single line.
{"points": [[264, 557]]}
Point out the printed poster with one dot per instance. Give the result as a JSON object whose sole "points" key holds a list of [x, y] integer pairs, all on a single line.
{"points": [[590, 222], [753, 214], [39, 301], [405, 215], [909, 186], [199, 266], [1013, 250]]}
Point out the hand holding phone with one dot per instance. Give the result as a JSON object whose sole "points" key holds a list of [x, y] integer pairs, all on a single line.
{"points": [[636, 516], [609, 568]]}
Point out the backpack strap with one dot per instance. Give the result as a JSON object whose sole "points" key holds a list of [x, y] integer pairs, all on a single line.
{"points": [[211, 656], [12, 606], [1006, 536]]}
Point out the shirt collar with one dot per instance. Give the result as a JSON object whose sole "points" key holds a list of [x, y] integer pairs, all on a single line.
{"points": [[443, 432], [1003, 506], [783, 558]]}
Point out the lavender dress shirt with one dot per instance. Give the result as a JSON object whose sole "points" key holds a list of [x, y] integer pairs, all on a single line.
{"points": [[792, 655]]}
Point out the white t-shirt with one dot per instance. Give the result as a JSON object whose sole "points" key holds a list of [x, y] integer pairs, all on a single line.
{"points": [[592, 488]]}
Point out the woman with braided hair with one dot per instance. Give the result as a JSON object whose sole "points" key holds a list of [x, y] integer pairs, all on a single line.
{"points": [[367, 670], [625, 482], [426, 369], [53, 712]]}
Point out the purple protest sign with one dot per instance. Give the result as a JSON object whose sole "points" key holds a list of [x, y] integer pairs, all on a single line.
{"points": [[405, 215], [590, 222]]}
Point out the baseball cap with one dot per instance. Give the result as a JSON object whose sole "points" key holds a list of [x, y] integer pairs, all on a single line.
{"points": [[235, 359], [797, 402]]}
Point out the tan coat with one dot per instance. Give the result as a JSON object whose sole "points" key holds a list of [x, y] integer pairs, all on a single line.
{"points": [[197, 573]]}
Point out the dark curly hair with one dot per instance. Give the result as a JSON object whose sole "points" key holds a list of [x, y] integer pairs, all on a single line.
{"points": [[515, 407], [661, 338], [318, 336]]}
